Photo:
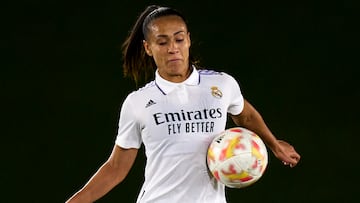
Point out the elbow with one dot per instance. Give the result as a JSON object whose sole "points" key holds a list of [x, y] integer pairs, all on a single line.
{"points": [[248, 116], [243, 120]]}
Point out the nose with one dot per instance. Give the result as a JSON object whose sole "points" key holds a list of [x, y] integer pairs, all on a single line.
{"points": [[173, 48]]}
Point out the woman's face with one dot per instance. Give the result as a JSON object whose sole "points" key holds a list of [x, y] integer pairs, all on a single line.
{"points": [[168, 42]]}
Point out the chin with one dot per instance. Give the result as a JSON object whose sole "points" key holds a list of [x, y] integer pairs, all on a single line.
{"points": [[177, 70]]}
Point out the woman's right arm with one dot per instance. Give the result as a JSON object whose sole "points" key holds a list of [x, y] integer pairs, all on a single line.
{"points": [[111, 173]]}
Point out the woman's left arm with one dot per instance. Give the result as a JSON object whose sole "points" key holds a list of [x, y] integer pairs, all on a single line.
{"points": [[251, 119]]}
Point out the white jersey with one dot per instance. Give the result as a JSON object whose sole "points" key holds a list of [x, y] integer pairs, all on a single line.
{"points": [[176, 123]]}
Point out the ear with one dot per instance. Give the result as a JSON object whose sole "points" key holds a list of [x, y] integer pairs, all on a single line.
{"points": [[147, 48]]}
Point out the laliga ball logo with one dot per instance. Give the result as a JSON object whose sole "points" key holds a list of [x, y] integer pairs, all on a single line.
{"points": [[237, 157]]}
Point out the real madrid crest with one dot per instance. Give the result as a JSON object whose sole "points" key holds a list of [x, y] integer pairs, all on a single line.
{"points": [[215, 92]]}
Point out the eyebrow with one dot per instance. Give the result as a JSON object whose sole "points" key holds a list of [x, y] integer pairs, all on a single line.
{"points": [[178, 32]]}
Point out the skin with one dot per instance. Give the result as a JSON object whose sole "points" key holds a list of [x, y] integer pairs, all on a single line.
{"points": [[111, 173], [251, 119], [168, 43]]}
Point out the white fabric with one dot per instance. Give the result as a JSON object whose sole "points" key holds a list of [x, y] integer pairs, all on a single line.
{"points": [[176, 123]]}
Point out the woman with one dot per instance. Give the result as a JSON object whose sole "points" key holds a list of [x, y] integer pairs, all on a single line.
{"points": [[175, 116]]}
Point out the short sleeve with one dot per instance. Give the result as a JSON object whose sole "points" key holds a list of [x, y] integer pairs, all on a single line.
{"points": [[236, 104], [129, 133]]}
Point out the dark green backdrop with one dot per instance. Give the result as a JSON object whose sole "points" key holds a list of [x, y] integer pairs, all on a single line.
{"points": [[62, 88]]}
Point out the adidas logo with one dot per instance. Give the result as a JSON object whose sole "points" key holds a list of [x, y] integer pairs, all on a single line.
{"points": [[151, 102]]}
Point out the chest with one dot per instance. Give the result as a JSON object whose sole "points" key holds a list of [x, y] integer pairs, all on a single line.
{"points": [[186, 111]]}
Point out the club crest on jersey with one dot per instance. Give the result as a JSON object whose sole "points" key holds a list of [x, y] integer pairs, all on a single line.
{"points": [[215, 92]]}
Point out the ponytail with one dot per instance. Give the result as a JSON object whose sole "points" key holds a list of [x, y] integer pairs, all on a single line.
{"points": [[137, 64]]}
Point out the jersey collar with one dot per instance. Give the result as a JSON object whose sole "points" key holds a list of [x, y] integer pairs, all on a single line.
{"points": [[166, 86]]}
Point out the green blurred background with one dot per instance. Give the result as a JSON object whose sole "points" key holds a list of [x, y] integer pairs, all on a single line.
{"points": [[62, 88]]}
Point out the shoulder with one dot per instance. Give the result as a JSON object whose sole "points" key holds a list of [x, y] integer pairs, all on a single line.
{"points": [[217, 75], [145, 93], [142, 91], [149, 87], [210, 72]]}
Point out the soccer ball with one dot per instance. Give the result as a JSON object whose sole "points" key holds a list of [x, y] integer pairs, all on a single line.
{"points": [[237, 157]]}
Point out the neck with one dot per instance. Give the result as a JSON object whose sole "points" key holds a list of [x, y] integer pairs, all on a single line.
{"points": [[177, 78]]}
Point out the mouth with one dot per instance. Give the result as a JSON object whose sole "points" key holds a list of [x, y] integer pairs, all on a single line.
{"points": [[174, 60]]}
